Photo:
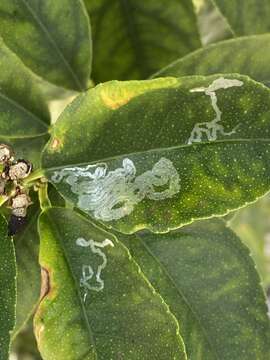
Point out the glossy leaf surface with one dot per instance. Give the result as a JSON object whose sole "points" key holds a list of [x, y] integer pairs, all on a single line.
{"points": [[134, 38], [248, 55], [119, 316], [7, 289], [51, 37], [143, 129], [209, 281]]}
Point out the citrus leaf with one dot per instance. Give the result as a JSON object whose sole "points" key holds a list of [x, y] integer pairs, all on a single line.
{"points": [[28, 269], [7, 289], [126, 153], [249, 55], [96, 304], [246, 17], [51, 37], [132, 39], [209, 281]]}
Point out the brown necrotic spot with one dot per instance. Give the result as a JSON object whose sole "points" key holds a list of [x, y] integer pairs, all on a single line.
{"points": [[45, 283]]}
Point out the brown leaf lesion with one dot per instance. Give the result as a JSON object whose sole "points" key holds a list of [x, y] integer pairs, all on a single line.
{"points": [[45, 283], [45, 291]]}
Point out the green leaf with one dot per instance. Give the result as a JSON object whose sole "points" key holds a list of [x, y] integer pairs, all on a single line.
{"points": [[51, 37], [132, 39], [128, 163], [24, 116], [212, 25], [7, 289], [119, 316], [28, 269], [248, 55], [208, 279], [246, 17]]}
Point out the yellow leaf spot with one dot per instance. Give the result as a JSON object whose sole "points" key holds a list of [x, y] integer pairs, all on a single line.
{"points": [[117, 99]]}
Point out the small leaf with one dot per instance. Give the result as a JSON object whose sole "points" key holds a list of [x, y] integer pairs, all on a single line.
{"points": [[208, 279], [96, 304], [248, 55], [132, 39], [51, 37], [246, 17], [7, 289], [140, 155]]}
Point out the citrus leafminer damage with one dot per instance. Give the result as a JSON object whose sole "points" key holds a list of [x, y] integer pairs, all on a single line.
{"points": [[212, 128], [88, 272], [111, 195]]}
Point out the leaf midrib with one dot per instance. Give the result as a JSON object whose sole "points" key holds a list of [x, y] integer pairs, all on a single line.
{"points": [[53, 43], [23, 109], [116, 157], [179, 291]]}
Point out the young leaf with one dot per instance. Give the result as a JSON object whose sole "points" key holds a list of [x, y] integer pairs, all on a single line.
{"points": [[248, 55], [132, 39], [51, 37], [7, 289], [246, 17], [96, 304], [208, 279], [159, 154]]}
